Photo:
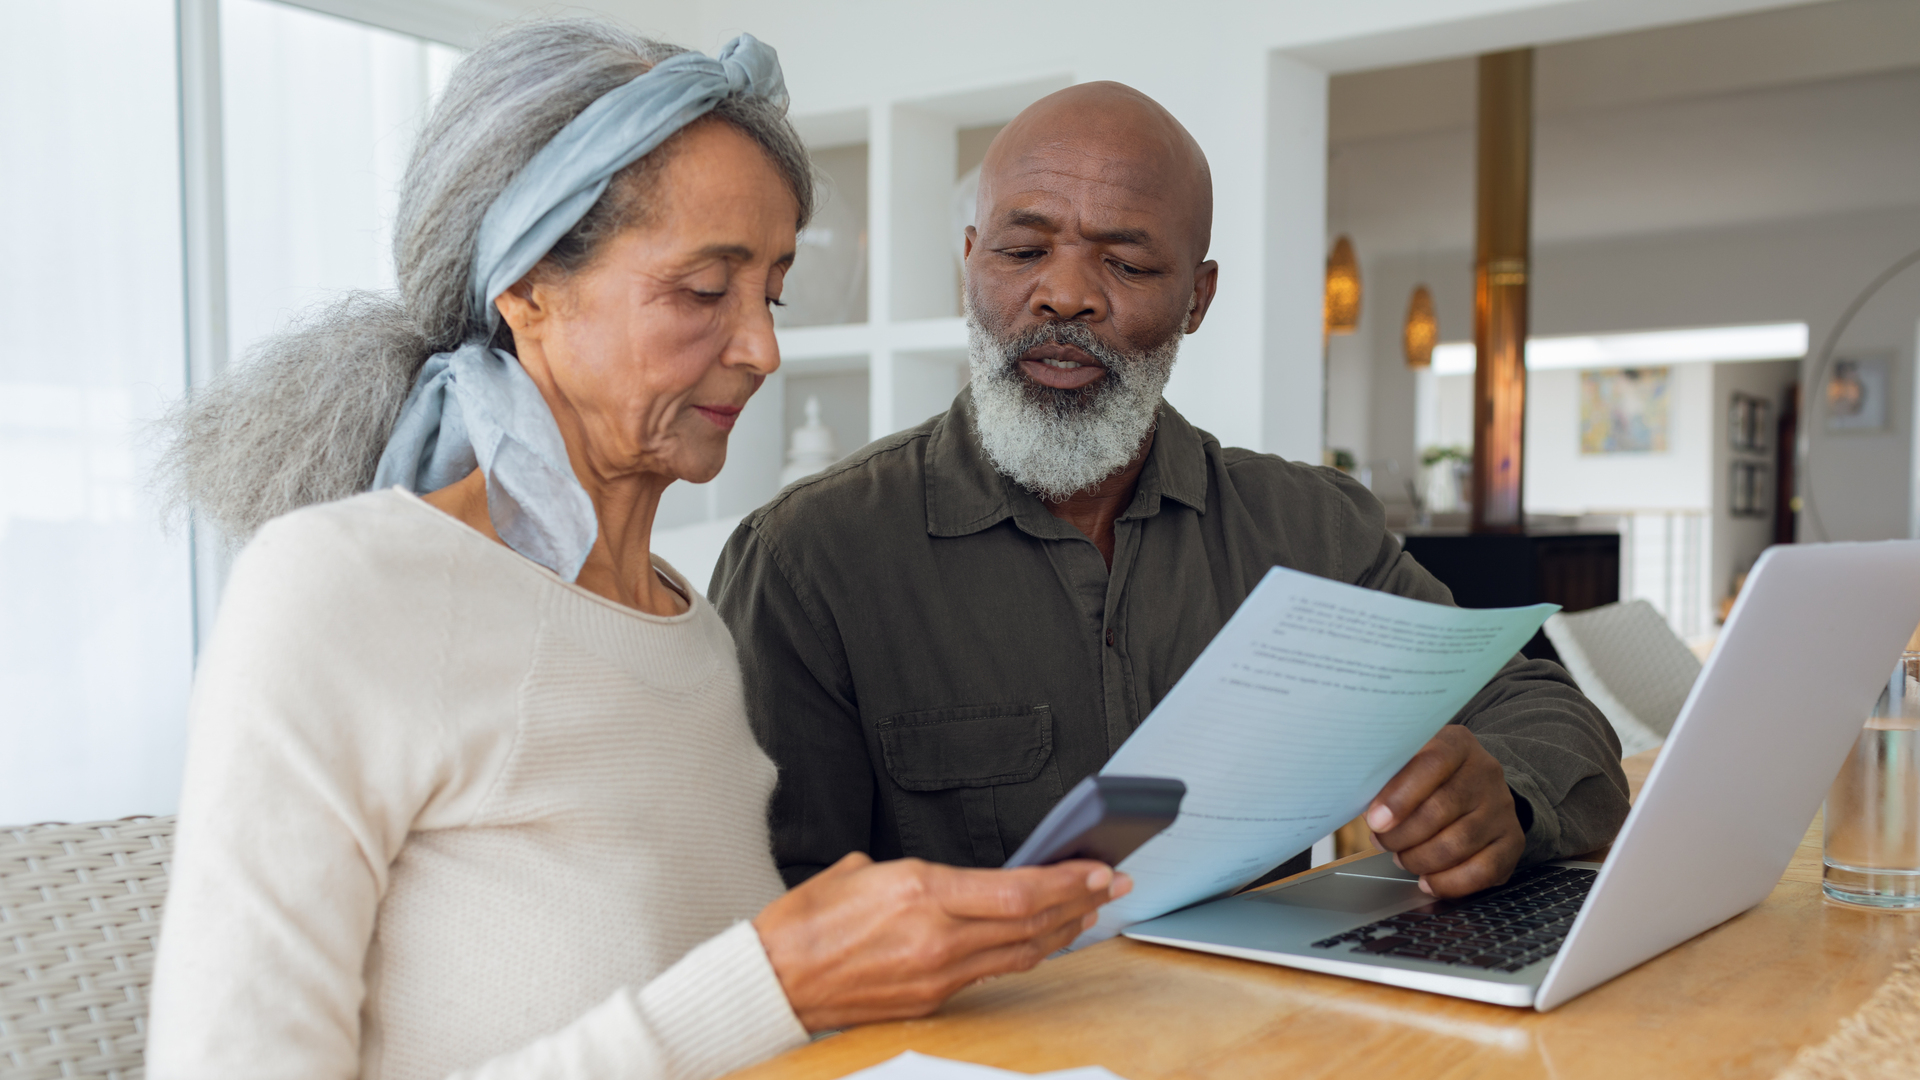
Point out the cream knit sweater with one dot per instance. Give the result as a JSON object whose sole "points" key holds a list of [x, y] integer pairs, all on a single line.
{"points": [[445, 812]]}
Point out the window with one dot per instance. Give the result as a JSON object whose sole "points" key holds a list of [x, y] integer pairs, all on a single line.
{"points": [[96, 599], [96, 622], [320, 114]]}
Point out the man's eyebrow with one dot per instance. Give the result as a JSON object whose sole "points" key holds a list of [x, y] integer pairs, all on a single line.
{"points": [[1031, 219], [1137, 237], [1034, 219]]}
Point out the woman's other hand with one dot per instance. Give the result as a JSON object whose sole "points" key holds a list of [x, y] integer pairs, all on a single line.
{"points": [[863, 941]]}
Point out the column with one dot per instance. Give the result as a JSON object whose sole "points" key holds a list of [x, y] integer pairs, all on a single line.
{"points": [[1503, 185]]}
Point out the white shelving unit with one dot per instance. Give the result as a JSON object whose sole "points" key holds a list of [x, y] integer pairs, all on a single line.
{"points": [[910, 355], [913, 345]]}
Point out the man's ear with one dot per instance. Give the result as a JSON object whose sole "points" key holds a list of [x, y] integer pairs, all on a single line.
{"points": [[1206, 279], [972, 235]]}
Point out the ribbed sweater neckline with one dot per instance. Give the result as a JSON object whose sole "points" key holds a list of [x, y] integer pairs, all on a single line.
{"points": [[522, 564]]}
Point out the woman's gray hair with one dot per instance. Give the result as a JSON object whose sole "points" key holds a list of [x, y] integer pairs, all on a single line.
{"points": [[304, 417]]}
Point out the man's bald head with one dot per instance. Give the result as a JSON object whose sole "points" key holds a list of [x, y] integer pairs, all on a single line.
{"points": [[1113, 132], [1086, 265]]}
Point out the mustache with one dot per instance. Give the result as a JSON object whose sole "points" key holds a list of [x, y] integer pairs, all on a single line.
{"points": [[1076, 334]]}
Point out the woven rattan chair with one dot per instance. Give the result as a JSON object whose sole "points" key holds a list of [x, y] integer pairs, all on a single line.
{"points": [[79, 915]]}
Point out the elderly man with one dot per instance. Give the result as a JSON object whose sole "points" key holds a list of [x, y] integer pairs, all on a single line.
{"points": [[945, 632]]}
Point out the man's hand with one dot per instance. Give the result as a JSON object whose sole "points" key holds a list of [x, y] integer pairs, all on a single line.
{"points": [[1449, 817], [863, 941]]}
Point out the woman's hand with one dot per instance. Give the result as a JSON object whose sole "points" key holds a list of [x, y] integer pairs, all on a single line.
{"points": [[863, 941]]}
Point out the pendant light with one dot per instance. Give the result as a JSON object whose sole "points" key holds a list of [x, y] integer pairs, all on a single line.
{"points": [[1342, 309], [1422, 329]]}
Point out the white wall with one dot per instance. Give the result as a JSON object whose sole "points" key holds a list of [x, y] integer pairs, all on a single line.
{"points": [[1560, 479], [1397, 421], [1769, 154], [1349, 378], [1248, 78], [1806, 270], [1446, 411], [1737, 541], [1672, 551]]}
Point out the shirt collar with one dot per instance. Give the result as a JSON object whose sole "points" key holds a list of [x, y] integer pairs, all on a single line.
{"points": [[966, 494]]}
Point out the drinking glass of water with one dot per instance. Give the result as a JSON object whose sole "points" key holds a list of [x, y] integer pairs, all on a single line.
{"points": [[1873, 809]]}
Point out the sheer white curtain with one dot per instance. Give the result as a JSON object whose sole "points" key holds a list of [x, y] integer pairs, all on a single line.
{"points": [[95, 617], [320, 117]]}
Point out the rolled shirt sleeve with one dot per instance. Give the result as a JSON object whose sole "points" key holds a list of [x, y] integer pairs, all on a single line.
{"points": [[1558, 751]]}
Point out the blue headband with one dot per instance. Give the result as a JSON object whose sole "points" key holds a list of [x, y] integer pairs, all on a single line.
{"points": [[474, 407], [570, 173]]}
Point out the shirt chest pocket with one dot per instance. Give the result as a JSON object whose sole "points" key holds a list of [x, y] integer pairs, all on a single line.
{"points": [[969, 782]]}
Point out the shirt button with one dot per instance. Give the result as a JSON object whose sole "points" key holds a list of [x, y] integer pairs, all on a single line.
{"points": [[1109, 637]]}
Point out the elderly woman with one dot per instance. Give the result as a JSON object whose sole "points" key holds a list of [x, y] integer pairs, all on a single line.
{"points": [[470, 786]]}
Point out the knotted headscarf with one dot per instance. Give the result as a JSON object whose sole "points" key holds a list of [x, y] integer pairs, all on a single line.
{"points": [[475, 407]]}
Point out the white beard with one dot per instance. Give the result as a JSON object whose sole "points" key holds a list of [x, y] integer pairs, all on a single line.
{"points": [[1057, 443]]}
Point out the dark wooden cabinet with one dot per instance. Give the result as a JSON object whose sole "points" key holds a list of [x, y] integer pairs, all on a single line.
{"points": [[1575, 570]]}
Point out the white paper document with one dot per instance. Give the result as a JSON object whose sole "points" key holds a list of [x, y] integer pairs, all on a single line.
{"points": [[1304, 705], [912, 1066]]}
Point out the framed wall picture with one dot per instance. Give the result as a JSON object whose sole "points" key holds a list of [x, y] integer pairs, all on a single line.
{"points": [[1856, 394], [1623, 411], [1749, 422], [1748, 489]]}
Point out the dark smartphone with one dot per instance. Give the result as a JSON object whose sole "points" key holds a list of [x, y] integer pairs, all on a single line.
{"points": [[1104, 818]]}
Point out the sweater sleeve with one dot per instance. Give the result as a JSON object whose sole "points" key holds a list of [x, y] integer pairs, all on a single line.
{"points": [[297, 798], [720, 1008], [315, 750]]}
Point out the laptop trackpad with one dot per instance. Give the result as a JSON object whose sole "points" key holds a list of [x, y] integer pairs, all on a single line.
{"points": [[1344, 892]]}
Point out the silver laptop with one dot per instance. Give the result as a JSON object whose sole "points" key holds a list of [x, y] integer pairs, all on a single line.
{"points": [[1767, 725]]}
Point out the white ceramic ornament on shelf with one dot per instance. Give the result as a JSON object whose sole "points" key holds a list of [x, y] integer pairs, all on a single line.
{"points": [[811, 448]]}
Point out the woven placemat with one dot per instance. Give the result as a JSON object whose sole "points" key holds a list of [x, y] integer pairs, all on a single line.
{"points": [[1880, 1040]]}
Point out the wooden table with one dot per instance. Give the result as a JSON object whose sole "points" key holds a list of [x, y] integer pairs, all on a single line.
{"points": [[1737, 1001]]}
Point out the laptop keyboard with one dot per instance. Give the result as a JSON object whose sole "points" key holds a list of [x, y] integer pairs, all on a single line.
{"points": [[1501, 929]]}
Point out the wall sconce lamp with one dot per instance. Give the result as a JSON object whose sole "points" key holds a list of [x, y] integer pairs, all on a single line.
{"points": [[1422, 331], [1342, 309]]}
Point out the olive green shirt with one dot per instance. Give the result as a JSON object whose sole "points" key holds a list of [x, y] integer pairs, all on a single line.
{"points": [[932, 658]]}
